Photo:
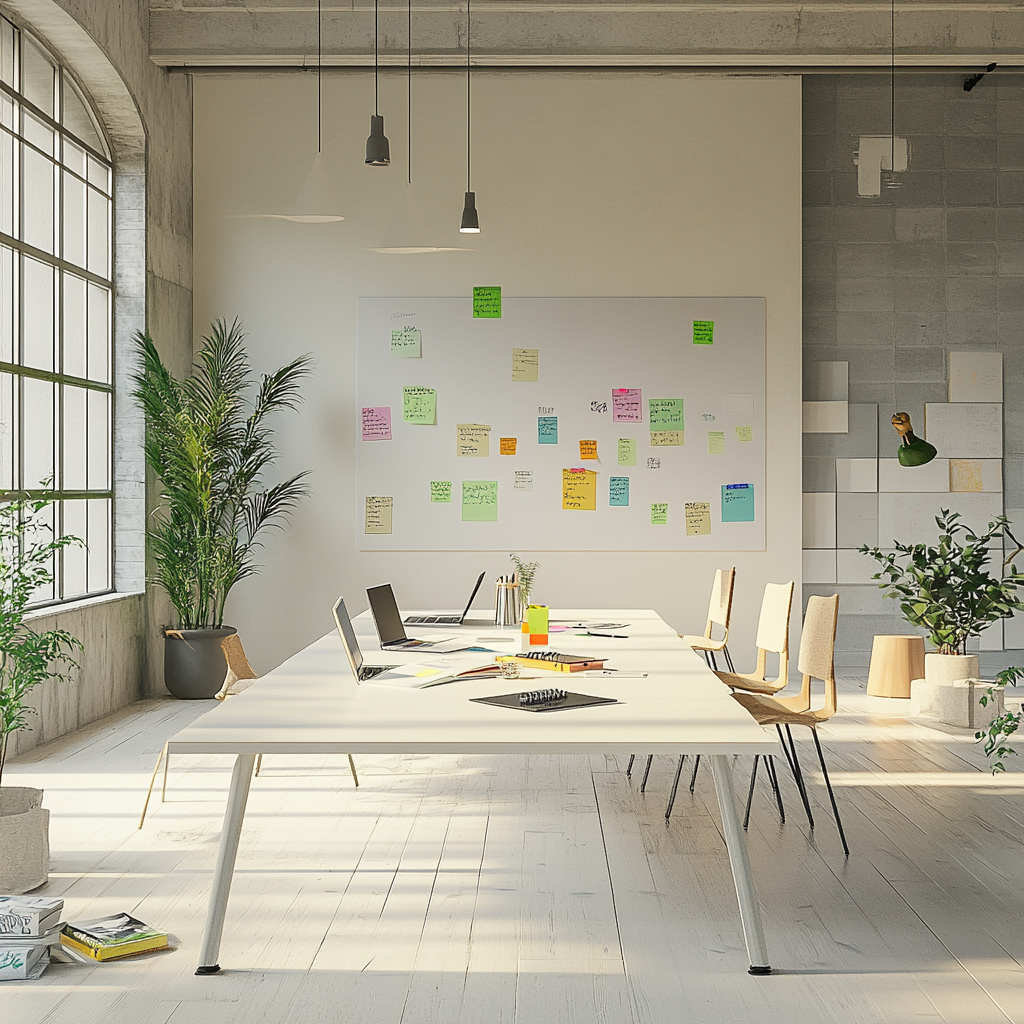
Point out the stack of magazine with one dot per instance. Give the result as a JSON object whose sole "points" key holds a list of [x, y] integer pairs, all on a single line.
{"points": [[110, 938], [29, 926]]}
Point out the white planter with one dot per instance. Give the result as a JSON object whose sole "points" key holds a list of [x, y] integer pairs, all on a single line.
{"points": [[950, 668], [958, 703], [24, 840]]}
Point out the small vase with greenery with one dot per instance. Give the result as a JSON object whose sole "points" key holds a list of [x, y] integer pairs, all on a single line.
{"points": [[526, 573], [27, 658], [208, 442]]}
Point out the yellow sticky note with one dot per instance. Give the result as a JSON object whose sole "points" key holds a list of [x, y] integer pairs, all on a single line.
{"points": [[537, 618], [666, 438], [378, 514], [507, 446], [588, 449], [473, 440], [627, 451], [698, 518], [579, 489], [716, 442], [659, 513], [965, 475], [744, 433], [525, 364]]}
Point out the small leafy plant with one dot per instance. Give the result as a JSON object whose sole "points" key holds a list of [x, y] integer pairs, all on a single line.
{"points": [[947, 589], [1002, 728], [526, 573], [27, 658]]}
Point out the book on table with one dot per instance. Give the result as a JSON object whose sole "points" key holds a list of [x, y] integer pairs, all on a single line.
{"points": [[28, 915], [108, 938], [23, 963], [554, 662]]}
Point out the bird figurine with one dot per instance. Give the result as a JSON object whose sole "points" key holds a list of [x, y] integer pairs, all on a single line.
{"points": [[912, 451]]}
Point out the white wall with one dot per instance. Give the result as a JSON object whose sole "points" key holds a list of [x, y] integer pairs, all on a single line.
{"points": [[587, 184]]}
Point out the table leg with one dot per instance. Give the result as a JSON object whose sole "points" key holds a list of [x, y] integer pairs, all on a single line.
{"points": [[750, 911], [229, 836]]}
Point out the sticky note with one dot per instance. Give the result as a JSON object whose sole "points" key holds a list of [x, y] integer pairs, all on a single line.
{"points": [[579, 489], [537, 618], [666, 438], [627, 405], [377, 423], [479, 501], [716, 442], [698, 518], [547, 430], [525, 363], [473, 440], [507, 445], [744, 433], [588, 449], [618, 490], [654, 463], [405, 343], [419, 405], [487, 303], [659, 514], [704, 332], [440, 490], [965, 475], [523, 480], [737, 503], [665, 413], [627, 451], [378, 514]]}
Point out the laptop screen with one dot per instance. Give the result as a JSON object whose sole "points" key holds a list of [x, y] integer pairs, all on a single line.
{"points": [[348, 636], [386, 616], [469, 603]]}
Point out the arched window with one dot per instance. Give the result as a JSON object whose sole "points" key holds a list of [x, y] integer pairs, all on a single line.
{"points": [[56, 306]]}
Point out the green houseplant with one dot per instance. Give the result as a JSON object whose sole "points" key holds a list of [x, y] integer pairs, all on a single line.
{"points": [[208, 442], [27, 658]]}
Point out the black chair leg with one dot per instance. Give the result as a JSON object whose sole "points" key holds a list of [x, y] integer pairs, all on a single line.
{"points": [[728, 659], [693, 777], [714, 664], [629, 767], [750, 793], [675, 787], [799, 776], [647, 771], [770, 768], [831, 795]]}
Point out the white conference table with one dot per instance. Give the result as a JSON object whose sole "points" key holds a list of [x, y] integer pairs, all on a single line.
{"points": [[312, 704]]}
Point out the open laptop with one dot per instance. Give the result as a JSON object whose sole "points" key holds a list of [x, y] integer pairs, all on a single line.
{"points": [[447, 620], [390, 631], [351, 644]]}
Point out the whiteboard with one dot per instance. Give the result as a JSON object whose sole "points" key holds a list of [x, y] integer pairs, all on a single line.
{"points": [[586, 347]]}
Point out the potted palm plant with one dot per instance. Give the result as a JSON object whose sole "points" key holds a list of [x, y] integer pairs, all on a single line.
{"points": [[208, 442], [948, 590], [27, 658]]}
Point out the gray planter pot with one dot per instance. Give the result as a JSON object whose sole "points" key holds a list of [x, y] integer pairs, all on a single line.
{"points": [[194, 664], [24, 840]]}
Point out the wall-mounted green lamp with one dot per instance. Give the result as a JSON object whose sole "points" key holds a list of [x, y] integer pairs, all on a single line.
{"points": [[912, 451]]}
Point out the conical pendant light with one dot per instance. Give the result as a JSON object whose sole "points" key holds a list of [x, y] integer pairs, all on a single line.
{"points": [[378, 149], [896, 161], [470, 221]]}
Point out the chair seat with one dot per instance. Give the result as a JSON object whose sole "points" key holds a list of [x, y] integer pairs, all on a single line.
{"points": [[742, 681], [702, 643], [766, 711]]}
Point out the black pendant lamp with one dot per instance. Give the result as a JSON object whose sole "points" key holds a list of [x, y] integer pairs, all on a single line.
{"points": [[470, 220], [378, 150]]}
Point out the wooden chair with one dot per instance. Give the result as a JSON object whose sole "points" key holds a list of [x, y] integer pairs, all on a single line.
{"points": [[772, 638], [817, 644], [240, 676]]}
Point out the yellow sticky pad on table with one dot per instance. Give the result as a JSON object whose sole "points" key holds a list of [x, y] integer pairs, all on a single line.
{"points": [[537, 623]]}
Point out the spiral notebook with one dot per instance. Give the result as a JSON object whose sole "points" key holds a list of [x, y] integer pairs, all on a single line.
{"points": [[570, 700]]}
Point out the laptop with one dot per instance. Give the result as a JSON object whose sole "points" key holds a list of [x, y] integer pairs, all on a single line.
{"points": [[351, 644], [447, 620], [390, 631]]}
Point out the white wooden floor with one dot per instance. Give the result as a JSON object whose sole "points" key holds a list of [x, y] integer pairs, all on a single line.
{"points": [[484, 890]]}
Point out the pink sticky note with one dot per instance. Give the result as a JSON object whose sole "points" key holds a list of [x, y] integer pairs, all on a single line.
{"points": [[377, 423], [627, 405]]}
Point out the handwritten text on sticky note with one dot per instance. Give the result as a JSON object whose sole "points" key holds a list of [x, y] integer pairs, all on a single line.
{"points": [[665, 413], [479, 501], [737, 503], [547, 430], [579, 489], [473, 440], [487, 303], [659, 513], [618, 490], [525, 364], [698, 518], [588, 449], [627, 451], [507, 446], [716, 442], [377, 423], [419, 405], [627, 405], [405, 343], [704, 332], [440, 490], [378, 514], [744, 433]]}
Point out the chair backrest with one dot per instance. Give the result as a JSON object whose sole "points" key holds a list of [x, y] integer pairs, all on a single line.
{"points": [[720, 605], [817, 649], [773, 628], [238, 663]]}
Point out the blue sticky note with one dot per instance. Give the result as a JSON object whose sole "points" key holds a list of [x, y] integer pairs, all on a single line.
{"points": [[618, 490], [547, 430], [737, 503]]}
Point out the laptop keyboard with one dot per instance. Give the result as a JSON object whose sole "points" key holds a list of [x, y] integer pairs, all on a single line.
{"points": [[369, 671], [424, 619]]}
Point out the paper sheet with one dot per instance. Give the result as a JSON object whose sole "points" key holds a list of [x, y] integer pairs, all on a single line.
{"points": [[377, 423], [659, 514], [523, 480], [547, 430], [698, 518], [507, 446], [744, 433], [378, 514], [666, 438], [618, 490], [579, 489], [627, 451], [588, 450], [703, 332], [965, 430], [473, 440], [975, 376], [479, 501], [419, 405], [716, 442], [627, 405], [737, 503], [405, 343], [525, 364], [487, 303], [440, 490]]}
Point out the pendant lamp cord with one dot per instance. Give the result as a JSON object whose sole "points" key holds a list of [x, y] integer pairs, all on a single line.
{"points": [[469, 118], [319, 58], [376, 104], [892, 86], [408, 76]]}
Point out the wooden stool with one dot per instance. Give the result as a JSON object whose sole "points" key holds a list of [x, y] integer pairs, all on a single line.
{"points": [[895, 661]]}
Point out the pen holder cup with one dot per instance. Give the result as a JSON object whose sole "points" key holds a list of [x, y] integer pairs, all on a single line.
{"points": [[506, 604]]}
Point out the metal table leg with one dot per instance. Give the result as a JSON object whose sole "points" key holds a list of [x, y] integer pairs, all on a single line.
{"points": [[750, 911], [234, 813]]}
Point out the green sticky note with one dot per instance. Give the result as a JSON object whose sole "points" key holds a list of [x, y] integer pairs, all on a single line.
{"points": [[440, 490], [659, 513], [665, 413], [487, 303], [745, 433], [627, 451], [405, 343], [419, 405], [716, 442], [479, 501], [737, 503], [703, 332], [537, 618]]}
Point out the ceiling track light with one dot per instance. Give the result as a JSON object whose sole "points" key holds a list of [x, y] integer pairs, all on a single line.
{"points": [[378, 149], [470, 218]]}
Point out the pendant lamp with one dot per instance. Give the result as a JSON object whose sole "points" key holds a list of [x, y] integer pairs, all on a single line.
{"points": [[470, 221], [889, 179], [378, 149]]}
